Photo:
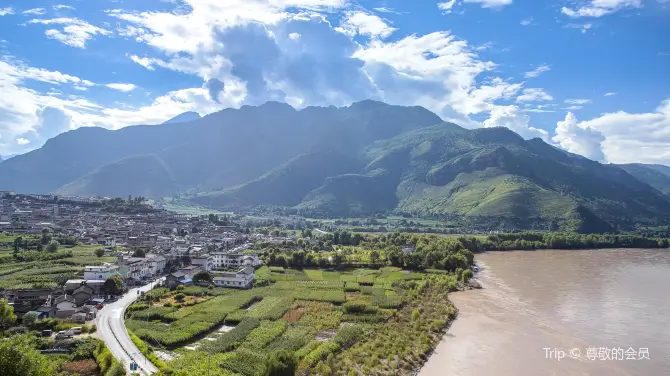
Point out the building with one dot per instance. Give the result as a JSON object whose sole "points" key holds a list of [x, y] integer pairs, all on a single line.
{"points": [[234, 260], [157, 263], [190, 271], [177, 278], [205, 263], [242, 278], [134, 267], [100, 273]]}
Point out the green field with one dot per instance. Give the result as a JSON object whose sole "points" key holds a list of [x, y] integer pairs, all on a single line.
{"points": [[329, 322], [46, 269]]}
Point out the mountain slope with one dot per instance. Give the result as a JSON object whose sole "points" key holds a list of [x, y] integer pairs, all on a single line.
{"points": [[218, 151], [657, 176], [141, 175], [183, 118], [286, 185]]}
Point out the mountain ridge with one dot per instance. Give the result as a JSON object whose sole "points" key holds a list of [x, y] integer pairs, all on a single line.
{"points": [[361, 159]]}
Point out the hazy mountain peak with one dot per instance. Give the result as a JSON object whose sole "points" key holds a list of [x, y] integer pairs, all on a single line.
{"points": [[183, 118]]}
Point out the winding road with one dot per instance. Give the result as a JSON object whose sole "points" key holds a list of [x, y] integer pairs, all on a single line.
{"points": [[113, 331]]}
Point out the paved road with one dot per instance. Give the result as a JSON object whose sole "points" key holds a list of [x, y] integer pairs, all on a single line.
{"points": [[113, 331]]}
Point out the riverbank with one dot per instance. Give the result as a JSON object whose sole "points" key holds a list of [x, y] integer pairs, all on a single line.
{"points": [[560, 300]]}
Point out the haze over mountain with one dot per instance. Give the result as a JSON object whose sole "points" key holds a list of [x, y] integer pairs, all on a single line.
{"points": [[362, 159]]}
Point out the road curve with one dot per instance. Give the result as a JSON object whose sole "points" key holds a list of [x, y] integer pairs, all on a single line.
{"points": [[113, 332]]}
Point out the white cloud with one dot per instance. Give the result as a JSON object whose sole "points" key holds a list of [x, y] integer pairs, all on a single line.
{"points": [[6, 11], [363, 23], [515, 119], [491, 3], [122, 87], [579, 138], [599, 8], [639, 137], [294, 36], [61, 6], [538, 71], [534, 95], [75, 32], [577, 101], [36, 11], [385, 10], [22, 141], [446, 6], [19, 73], [573, 108], [527, 21], [144, 61], [610, 94], [582, 27]]}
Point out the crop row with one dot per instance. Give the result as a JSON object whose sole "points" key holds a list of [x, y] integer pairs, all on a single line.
{"points": [[233, 338], [264, 334], [271, 308]]}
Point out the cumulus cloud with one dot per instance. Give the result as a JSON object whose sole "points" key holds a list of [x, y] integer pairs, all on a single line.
{"points": [[516, 120], [599, 8], [362, 23], [75, 32], [538, 71], [6, 11], [635, 137], [122, 87], [579, 138], [534, 95]]}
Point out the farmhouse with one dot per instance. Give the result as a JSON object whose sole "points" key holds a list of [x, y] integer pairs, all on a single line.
{"points": [[242, 278]]}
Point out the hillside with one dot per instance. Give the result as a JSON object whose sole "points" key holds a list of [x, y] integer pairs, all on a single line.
{"points": [[183, 118], [141, 175], [359, 160], [657, 176]]}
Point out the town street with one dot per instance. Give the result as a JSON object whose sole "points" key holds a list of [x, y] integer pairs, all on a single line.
{"points": [[113, 331]]}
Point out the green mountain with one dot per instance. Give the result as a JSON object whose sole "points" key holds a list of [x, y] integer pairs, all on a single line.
{"points": [[363, 159], [657, 176], [141, 175]]}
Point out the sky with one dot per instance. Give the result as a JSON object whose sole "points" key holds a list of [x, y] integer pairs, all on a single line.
{"points": [[589, 76]]}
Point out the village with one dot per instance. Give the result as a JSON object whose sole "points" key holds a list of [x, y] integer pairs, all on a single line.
{"points": [[144, 244]]}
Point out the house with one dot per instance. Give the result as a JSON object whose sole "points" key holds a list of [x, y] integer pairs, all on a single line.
{"points": [[233, 259], [133, 267], [79, 317], [65, 306], [157, 263], [100, 273], [177, 278], [82, 295], [205, 263], [72, 284], [242, 278], [28, 296], [190, 271]]}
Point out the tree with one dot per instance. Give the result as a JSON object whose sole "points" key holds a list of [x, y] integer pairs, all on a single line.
{"points": [[7, 316], [282, 363], [18, 357], [99, 252], [29, 319], [52, 246], [18, 242], [46, 236], [113, 285], [202, 276], [374, 257], [139, 253]]}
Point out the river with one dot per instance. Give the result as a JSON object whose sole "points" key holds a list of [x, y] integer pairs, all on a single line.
{"points": [[561, 313]]}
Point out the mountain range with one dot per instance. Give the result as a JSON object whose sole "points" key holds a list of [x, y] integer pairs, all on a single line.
{"points": [[366, 158]]}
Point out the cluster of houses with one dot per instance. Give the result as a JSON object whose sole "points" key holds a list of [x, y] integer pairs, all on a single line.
{"points": [[175, 246]]}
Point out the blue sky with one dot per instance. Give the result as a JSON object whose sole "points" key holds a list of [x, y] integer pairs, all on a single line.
{"points": [[590, 76]]}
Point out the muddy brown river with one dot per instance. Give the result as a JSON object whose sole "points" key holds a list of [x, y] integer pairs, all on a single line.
{"points": [[592, 312]]}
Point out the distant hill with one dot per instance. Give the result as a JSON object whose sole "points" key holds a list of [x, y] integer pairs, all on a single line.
{"points": [[183, 118], [140, 175], [358, 160], [657, 176]]}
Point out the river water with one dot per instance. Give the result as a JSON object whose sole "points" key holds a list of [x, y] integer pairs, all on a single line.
{"points": [[607, 311]]}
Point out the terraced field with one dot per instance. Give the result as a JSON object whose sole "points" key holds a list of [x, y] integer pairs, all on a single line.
{"points": [[309, 320]]}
